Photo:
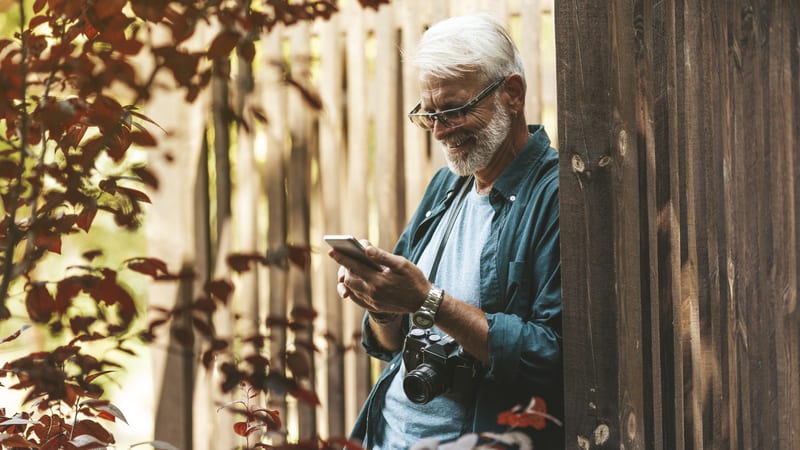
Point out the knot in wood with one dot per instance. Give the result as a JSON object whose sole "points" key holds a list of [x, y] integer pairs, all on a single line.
{"points": [[577, 164]]}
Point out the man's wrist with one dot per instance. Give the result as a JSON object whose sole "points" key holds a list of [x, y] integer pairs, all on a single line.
{"points": [[425, 316]]}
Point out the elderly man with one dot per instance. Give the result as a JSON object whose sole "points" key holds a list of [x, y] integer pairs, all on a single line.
{"points": [[467, 310]]}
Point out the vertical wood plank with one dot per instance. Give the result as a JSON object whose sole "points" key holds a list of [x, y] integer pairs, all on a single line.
{"points": [[647, 22], [590, 307], [711, 179], [245, 218], [388, 143], [303, 149], [782, 26], [416, 148], [621, 161], [355, 219], [528, 42], [689, 131], [274, 99], [332, 169]]}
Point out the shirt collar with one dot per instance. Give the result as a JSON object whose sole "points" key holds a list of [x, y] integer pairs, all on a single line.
{"points": [[520, 167]]}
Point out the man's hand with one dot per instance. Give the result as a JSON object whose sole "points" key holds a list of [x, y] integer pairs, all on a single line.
{"points": [[400, 287]]}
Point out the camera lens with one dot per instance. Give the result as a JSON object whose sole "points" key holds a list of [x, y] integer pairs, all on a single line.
{"points": [[422, 384]]}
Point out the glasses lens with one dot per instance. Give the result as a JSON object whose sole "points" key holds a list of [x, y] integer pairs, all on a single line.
{"points": [[421, 120], [452, 118]]}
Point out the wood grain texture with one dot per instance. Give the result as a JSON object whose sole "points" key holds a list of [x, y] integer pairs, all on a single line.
{"points": [[712, 96]]}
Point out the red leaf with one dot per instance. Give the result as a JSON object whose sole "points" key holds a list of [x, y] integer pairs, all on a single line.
{"points": [[202, 326], [106, 415], [73, 136], [372, 3], [40, 303], [152, 11], [49, 242], [109, 292], [305, 396], [299, 255], [128, 47], [37, 20], [220, 289], [204, 305], [66, 290], [299, 364], [16, 441], [93, 429], [8, 169], [105, 112], [271, 418], [223, 44], [146, 176], [108, 8], [80, 325], [240, 262], [143, 138], [303, 314], [148, 266], [184, 337], [240, 428], [14, 335], [133, 194], [38, 5], [92, 254], [248, 51], [534, 416], [86, 217]]}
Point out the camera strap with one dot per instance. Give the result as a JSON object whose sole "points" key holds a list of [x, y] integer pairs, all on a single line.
{"points": [[449, 227]]}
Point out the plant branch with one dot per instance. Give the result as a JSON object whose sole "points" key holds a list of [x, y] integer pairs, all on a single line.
{"points": [[16, 189]]}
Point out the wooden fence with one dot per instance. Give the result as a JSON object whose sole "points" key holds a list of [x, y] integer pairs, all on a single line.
{"points": [[371, 164], [356, 166], [680, 130]]}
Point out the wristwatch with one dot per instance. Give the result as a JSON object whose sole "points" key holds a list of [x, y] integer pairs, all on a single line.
{"points": [[425, 316]]}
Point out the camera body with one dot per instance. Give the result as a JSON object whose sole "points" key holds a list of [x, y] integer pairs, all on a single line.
{"points": [[436, 364]]}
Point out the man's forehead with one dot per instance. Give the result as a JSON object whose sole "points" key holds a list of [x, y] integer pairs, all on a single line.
{"points": [[431, 86]]}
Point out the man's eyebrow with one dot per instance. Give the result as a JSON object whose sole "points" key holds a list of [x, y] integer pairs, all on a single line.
{"points": [[443, 106]]}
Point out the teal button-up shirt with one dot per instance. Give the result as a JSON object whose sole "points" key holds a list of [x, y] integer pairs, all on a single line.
{"points": [[520, 292]]}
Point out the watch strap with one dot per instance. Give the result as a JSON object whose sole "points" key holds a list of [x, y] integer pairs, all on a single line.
{"points": [[425, 316]]}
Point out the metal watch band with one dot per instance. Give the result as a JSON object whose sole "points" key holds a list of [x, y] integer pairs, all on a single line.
{"points": [[425, 316]]}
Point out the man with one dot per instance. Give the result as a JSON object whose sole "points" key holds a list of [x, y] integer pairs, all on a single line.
{"points": [[479, 260]]}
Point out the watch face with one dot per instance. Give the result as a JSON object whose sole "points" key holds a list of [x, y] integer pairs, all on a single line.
{"points": [[422, 320]]}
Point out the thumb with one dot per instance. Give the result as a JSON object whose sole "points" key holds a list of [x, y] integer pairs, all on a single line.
{"points": [[381, 256]]}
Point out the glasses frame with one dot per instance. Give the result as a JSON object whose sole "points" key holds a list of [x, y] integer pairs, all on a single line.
{"points": [[418, 118]]}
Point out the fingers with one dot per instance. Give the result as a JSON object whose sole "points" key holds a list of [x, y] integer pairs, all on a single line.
{"points": [[384, 258], [347, 286]]}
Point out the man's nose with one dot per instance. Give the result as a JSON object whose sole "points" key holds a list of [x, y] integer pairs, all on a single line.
{"points": [[440, 129]]}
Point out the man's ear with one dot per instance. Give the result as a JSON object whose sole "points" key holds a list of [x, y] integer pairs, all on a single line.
{"points": [[514, 88]]}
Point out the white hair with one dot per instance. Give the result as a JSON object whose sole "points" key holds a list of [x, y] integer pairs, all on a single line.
{"points": [[467, 44]]}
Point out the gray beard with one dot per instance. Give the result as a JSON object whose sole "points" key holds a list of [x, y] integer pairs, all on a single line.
{"points": [[487, 141]]}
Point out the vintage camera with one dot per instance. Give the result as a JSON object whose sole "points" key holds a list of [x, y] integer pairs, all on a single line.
{"points": [[436, 364]]}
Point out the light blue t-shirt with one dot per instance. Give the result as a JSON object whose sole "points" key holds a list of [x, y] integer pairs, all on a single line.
{"points": [[444, 417]]}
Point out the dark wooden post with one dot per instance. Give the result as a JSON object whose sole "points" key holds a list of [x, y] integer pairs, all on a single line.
{"points": [[679, 184], [600, 226]]}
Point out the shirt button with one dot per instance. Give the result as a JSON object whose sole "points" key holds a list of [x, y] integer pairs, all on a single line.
{"points": [[512, 198], [428, 214]]}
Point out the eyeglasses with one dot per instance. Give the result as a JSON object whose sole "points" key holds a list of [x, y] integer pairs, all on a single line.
{"points": [[450, 117]]}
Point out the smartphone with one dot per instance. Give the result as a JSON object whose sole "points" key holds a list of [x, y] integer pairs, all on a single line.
{"points": [[348, 245]]}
